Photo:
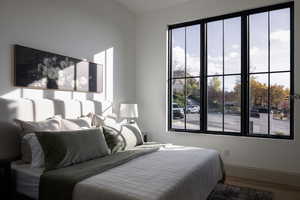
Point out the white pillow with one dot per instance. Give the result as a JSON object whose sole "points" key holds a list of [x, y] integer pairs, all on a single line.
{"points": [[110, 121], [76, 124], [38, 159], [31, 127], [50, 124], [134, 131], [97, 120]]}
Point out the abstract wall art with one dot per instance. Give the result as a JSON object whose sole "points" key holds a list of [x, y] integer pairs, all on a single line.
{"points": [[44, 70]]}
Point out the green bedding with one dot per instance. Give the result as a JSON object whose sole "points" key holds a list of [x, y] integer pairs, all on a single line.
{"points": [[58, 184]]}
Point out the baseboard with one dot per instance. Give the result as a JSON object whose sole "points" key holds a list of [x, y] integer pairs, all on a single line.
{"points": [[271, 176]]}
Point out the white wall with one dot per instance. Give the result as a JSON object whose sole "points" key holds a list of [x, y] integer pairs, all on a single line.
{"points": [[81, 29], [282, 155]]}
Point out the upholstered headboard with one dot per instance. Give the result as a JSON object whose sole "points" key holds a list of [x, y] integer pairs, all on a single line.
{"points": [[36, 110]]}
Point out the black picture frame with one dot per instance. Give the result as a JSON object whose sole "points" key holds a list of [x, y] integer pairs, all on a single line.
{"points": [[37, 69]]}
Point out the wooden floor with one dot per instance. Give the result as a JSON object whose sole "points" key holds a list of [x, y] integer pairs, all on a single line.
{"points": [[280, 192]]}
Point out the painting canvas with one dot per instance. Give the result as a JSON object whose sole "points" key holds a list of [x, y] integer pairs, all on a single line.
{"points": [[44, 70], [89, 77]]}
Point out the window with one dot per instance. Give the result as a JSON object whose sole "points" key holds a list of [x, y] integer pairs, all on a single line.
{"points": [[233, 74]]}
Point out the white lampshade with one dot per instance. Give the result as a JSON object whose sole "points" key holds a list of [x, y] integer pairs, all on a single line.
{"points": [[129, 111]]}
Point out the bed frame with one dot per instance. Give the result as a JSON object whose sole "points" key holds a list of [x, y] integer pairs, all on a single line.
{"points": [[38, 110]]}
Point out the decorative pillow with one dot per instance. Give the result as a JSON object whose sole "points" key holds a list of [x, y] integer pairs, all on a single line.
{"points": [[134, 128], [112, 123], [126, 138], [66, 148], [115, 141], [76, 124], [31, 127], [37, 153], [97, 120]]}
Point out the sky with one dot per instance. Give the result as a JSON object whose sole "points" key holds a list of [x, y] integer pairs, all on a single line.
{"points": [[279, 47]]}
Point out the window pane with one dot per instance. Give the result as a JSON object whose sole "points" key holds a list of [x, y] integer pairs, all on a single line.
{"points": [[232, 45], [178, 52], [232, 107], [178, 103], [215, 104], [193, 50], [258, 104], [280, 40], [215, 48], [259, 42], [193, 103], [279, 93]]}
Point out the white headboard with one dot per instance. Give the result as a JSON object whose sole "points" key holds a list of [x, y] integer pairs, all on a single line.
{"points": [[38, 110], [41, 109]]}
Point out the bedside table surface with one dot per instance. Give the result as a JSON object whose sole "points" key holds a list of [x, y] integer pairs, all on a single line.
{"points": [[5, 182], [4, 162]]}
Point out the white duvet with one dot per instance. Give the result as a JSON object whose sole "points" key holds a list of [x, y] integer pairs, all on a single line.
{"points": [[172, 173]]}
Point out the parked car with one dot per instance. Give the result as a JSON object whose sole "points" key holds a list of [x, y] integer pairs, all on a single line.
{"points": [[193, 109], [177, 111], [254, 113], [261, 109], [279, 115]]}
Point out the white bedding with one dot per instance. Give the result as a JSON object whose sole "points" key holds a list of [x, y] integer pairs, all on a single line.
{"points": [[27, 179], [173, 173], [169, 174]]}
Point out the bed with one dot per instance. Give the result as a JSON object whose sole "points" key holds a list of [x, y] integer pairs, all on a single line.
{"points": [[170, 173]]}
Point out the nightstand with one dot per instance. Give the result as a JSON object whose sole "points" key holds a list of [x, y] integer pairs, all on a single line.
{"points": [[145, 136], [5, 180]]}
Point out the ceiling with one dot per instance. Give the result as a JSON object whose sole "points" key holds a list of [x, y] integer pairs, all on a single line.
{"points": [[143, 6]]}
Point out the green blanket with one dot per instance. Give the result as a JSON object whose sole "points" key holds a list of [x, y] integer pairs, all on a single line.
{"points": [[59, 184]]}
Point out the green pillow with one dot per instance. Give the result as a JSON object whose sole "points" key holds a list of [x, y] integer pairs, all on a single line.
{"points": [[65, 148]]}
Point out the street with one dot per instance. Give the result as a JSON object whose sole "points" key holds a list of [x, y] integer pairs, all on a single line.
{"points": [[232, 123]]}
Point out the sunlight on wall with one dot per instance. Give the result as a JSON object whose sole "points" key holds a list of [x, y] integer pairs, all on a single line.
{"points": [[106, 58], [110, 74], [80, 96], [24, 93], [33, 93], [100, 58], [63, 95]]}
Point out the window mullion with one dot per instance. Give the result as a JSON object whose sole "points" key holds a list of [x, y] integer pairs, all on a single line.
{"points": [[292, 91], [269, 76], [170, 112], [245, 76], [203, 87], [223, 79], [185, 85]]}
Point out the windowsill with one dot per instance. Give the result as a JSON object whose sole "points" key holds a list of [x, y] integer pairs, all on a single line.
{"points": [[215, 133]]}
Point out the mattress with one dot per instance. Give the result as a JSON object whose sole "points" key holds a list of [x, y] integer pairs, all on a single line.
{"points": [[171, 173], [27, 179]]}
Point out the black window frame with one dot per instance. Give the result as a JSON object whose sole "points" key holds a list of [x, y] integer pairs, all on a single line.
{"points": [[245, 74]]}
